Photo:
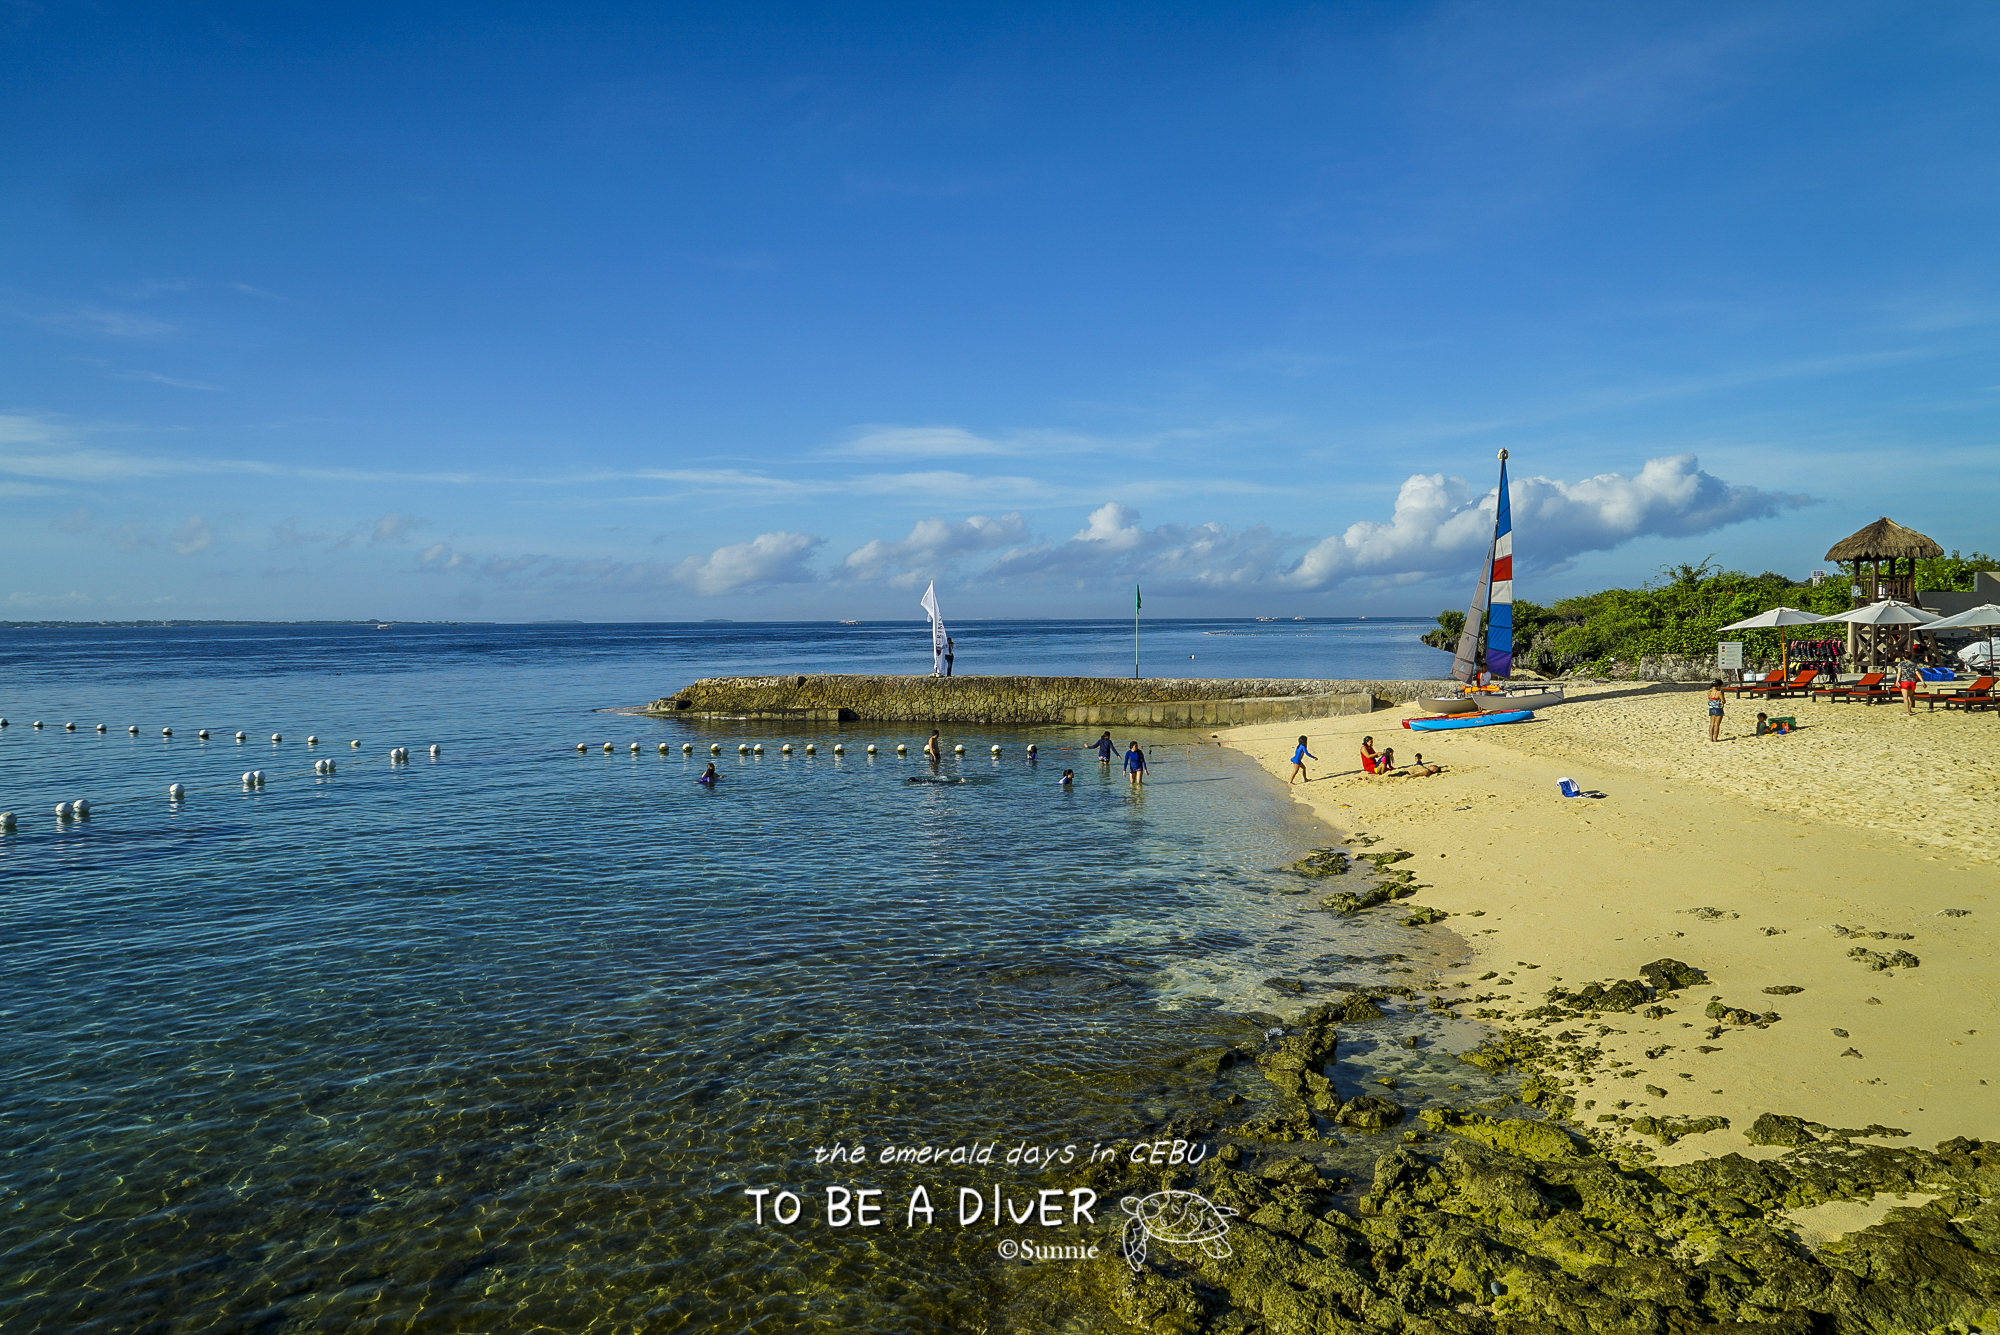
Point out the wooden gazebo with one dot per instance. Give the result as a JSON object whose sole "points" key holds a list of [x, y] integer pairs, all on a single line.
{"points": [[1882, 541]]}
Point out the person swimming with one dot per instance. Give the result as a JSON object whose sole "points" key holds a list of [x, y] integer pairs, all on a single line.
{"points": [[709, 776], [1068, 779]]}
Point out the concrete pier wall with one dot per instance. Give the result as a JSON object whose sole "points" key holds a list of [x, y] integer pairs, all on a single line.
{"points": [[1152, 701]]}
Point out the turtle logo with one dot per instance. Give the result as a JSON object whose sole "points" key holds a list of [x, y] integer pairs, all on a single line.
{"points": [[1174, 1216]]}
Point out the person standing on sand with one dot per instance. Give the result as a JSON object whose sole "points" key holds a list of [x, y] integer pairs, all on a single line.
{"points": [[1299, 759], [1135, 765], [1907, 677], [1715, 710], [934, 749], [1105, 746]]}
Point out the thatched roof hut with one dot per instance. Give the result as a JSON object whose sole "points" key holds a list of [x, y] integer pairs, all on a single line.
{"points": [[1884, 540]]}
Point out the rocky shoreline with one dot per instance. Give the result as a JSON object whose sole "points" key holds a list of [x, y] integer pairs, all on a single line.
{"points": [[1530, 1214]]}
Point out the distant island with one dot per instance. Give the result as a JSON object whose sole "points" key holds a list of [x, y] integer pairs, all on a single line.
{"points": [[129, 625]]}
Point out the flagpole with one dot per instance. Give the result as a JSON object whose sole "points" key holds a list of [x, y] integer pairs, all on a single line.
{"points": [[1137, 603]]}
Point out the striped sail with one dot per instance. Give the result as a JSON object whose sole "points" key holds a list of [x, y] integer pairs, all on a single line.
{"points": [[1489, 621], [1500, 617]]}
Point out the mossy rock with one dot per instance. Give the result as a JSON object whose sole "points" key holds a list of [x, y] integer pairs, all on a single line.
{"points": [[1422, 915], [1671, 975], [1322, 862], [1511, 1135]]}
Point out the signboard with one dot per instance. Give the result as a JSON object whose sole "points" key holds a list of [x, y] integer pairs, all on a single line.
{"points": [[1729, 656], [1818, 578]]}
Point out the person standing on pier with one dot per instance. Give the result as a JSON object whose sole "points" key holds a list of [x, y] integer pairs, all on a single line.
{"points": [[950, 652]]}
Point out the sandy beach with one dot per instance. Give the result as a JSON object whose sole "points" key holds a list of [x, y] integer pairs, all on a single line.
{"points": [[1763, 861]]}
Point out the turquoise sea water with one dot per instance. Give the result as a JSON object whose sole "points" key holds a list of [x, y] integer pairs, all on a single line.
{"points": [[498, 1040]]}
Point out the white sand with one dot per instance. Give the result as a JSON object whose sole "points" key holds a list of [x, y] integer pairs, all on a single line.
{"points": [[1864, 819]]}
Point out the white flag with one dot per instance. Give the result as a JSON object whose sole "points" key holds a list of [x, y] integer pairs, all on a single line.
{"points": [[929, 604]]}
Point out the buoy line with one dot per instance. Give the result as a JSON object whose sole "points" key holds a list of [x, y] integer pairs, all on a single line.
{"points": [[250, 781]]}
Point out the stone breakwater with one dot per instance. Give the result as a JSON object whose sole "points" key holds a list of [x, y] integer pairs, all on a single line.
{"points": [[1144, 701]]}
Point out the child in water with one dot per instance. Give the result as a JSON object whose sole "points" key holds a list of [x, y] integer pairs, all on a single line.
{"points": [[709, 776], [1068, 779]]}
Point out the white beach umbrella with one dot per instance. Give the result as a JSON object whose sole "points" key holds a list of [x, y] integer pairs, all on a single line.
{"points": [[1888, 612], [1986, 614], [1984, 617], [1777, 616]]}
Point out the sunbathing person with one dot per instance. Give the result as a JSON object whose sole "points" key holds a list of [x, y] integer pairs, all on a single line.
{"points": [[1420, 768]]}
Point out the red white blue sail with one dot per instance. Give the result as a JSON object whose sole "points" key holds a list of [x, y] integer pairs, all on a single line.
{"points": [[1487, 642], [1500, 616]]}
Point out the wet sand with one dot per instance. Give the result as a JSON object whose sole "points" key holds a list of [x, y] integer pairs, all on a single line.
{"points": [[1740, 857]]}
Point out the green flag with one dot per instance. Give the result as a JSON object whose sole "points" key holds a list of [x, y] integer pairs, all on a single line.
{"points": [[1137, 601]]}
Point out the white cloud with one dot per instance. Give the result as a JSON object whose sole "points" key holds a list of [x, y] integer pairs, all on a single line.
{"points": [[768, 558], [919, 442], [1438, 524], [155, 378], [440, 556], [932, 542], [194, 535], [76, 521], [393, 527], [1439, 527]]}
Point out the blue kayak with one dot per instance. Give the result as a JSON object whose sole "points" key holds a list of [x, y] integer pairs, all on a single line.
{"points": [[1466, 720]]}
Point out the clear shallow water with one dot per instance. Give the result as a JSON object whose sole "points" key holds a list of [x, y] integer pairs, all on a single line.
{"points": [[497, 1041]]}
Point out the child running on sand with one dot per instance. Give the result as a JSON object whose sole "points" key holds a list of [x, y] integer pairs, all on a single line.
{"points": [[1299, 759]]}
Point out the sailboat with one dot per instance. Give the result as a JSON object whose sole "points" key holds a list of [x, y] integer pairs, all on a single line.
{"points": [[1485, 657]]}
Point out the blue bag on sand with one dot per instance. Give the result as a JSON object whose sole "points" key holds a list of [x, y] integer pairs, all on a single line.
{"points": [[1568, 788]]}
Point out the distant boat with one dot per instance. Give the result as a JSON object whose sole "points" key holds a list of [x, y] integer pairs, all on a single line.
{"points": [[1267, 618], [850, 623], [383, 626], [1298, 618]]}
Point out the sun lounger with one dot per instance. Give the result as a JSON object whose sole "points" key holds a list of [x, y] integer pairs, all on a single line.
{"points": [[1976, 695], [1869, 684], [1799, 685], [1769, 681]]}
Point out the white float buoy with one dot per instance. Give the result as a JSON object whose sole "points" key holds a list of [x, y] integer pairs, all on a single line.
{"points": [[80, 808], [436, 750], [312, 741], [871, 748], [132, 731], [6, 817], [715, 748], [996, 750], [743, 748], [242, 736], [62, 811], [166, 732], [356, 743], [330, 767], [839, 749], [69, 727], [686, 747], [203, 734], [100, 727], [811, 750], [581, 747], [958, 750], [759, 748], [249, 779], [38, 723], [3, 723], [902, 749], [276, 738], [258, 776], [607, 748], [175, 792], [786, 748]]}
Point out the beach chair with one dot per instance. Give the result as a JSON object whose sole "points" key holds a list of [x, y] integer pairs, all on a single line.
{"points": [[1978, 694], [1769, 681], [1870, 683], [1799, 685]]}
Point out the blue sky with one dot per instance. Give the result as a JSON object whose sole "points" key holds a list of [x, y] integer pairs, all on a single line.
{"points": [[670, 312]]}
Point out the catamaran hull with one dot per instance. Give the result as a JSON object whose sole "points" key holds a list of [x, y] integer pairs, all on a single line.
{"points": [[1466, 721]]}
